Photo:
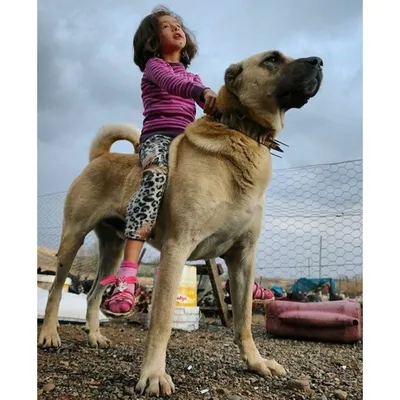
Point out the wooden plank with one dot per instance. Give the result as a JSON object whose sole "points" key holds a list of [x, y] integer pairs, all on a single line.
{"points": [[142, 253], [208, 309], [218, 293], [202, 269]]}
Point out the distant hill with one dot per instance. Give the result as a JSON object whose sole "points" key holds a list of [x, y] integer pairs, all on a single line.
{"points": [[85, 264]]}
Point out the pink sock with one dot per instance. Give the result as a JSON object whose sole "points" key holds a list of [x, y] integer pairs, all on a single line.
{"points": [[128, 268]]}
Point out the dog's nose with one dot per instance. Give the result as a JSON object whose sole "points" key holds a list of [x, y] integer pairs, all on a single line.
{"points": [[315, 61]]}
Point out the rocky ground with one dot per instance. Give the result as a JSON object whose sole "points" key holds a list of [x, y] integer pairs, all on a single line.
{"points": [[204, 365]]}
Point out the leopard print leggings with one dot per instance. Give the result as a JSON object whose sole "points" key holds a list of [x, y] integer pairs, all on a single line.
{"points": [[142, 209]]}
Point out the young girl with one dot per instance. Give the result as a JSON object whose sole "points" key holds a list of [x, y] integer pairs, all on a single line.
{"points": [[163, 49]]}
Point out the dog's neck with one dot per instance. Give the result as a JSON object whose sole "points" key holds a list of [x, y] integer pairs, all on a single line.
{"points": [[236, 117]]}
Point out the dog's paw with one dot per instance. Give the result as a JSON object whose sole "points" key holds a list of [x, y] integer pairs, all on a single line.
{"points": [[49, 338], [97, 340], [159, 383], [265, 368]]}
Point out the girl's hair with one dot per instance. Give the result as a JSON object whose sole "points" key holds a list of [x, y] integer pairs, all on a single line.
{"points": [[147, 39]]}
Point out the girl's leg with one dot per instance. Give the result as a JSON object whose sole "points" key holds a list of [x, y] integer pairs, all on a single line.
{"points": [[133, 249], [141, 216]]}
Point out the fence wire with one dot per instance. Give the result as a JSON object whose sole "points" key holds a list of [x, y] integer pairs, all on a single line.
{"points": [[312, 226]]}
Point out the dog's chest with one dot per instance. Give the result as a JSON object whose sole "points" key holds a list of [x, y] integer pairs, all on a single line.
{"points": [[243, 219], [232, 226]]}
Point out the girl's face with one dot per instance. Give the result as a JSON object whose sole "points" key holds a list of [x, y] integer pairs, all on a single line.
{"points": [[172, 36]]}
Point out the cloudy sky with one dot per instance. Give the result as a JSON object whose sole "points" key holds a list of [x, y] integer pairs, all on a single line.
{"points": [[87, 78]]}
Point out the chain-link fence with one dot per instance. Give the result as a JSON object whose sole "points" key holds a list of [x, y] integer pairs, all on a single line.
{"points": [[312, 227]]}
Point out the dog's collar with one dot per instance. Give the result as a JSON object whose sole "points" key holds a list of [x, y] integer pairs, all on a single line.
{"points": [[237, 121]]}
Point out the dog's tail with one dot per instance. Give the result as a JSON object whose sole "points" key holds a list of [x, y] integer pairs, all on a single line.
{"points": [[108, 135]]}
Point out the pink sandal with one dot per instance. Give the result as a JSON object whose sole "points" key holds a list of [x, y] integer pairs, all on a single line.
{"points": [[122, 300], [259, 293]]}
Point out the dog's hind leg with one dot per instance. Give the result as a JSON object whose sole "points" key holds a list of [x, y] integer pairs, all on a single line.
{"points": [[71, 241], [240, 261], [111, 248]]}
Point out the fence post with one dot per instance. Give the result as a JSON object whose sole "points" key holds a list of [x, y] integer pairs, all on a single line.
{"points": [[320, 257]]}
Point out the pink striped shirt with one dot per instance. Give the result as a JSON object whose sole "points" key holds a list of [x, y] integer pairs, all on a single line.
{"points": [[169, 93]]}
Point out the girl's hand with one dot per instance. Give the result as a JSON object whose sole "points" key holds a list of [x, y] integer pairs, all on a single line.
{"points": [[210, 102]]}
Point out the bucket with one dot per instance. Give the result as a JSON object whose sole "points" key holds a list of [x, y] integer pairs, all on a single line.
{"points": [[45, 282], [185, 318], [187, 314], [187, 290]]}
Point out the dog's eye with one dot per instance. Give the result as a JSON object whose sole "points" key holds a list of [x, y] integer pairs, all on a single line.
{"points": [[271, 59]]}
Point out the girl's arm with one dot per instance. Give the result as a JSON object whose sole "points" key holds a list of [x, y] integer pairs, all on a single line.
{"points": [[159, 72], [200, 100], [208, 105]]}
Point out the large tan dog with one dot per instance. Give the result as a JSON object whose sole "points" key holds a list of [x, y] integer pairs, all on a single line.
{"points": [[213, 205]]}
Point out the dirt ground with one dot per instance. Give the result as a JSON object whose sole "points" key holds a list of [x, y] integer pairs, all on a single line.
{"points": [[204, 365]]}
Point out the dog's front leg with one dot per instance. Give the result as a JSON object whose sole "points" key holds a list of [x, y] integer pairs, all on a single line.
{"points": [[240, 262], [153, 378]]}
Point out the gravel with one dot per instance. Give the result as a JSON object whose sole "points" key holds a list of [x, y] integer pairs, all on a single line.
{"points": [[204, 365]]}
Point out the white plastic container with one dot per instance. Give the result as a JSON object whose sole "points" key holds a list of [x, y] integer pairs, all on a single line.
{"points": [[187, 314], [72, 307], [187, 290], [185, 318], [45, 282]]}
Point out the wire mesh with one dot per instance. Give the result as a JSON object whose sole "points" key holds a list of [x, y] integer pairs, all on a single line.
{"points": [[312, 227]]}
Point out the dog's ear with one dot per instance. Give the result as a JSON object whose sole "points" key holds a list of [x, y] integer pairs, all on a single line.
{"points": [[232, 76]]}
